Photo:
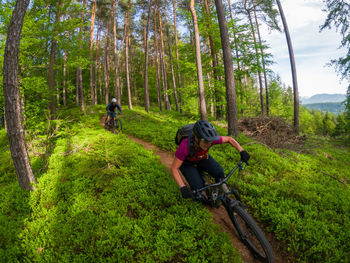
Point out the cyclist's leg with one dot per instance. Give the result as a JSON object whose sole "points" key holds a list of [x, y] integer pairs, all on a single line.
{"points": [[212, 167], [192, 176]]}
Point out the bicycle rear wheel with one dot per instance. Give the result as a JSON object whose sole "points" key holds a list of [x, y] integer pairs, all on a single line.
{"points": [[250, 233]]}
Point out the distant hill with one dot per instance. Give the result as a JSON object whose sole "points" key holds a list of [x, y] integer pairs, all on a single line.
{"points": [[333, 107], [323, 98]]}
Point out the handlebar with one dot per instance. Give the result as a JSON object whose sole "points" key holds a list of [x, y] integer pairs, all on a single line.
{"points": [[239, 165]]}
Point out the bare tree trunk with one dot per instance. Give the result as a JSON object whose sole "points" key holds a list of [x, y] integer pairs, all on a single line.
{"points": [[156, 59], [177, 58], [262, 61], [229, 73], [97, 65], [93, 13], [126, 36], [294, 72], [145, 83], [116, 84], [106, 69], [64, 90], [172, 71], [52, 63], [163, 63], [202, 104], [214, 62], [257, 59], [79, 70], [15, 131], [77, 88]]}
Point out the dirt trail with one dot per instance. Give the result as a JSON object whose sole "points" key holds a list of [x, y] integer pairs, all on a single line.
{"points": [[220, 216]]}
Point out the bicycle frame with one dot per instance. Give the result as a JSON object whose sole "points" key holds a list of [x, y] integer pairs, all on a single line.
{"points": [[239, 165]]}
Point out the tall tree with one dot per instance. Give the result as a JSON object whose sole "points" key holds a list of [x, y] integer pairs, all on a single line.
{"points": [[232, 118], [145, 83], [13, 118], [202, 103], [93, 14], [116, 83], [177, 57], [52, 61], [156, 59], [293, 68], [126, 39], [106, 62]]}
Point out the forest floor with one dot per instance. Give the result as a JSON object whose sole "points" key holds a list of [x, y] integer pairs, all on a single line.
{"points": [[220, 216]]}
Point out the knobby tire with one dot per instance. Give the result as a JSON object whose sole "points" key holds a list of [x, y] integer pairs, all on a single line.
{"points": [[253, 236]]}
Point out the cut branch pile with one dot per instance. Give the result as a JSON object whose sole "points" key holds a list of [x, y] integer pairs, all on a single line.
{"points": [[272, 131]]}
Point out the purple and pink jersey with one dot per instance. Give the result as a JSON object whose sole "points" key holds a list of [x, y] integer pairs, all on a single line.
{"points": [[182, 151]]}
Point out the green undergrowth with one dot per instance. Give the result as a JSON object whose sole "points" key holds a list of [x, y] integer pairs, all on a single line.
{"points": [[302, 197], [101, 197]]}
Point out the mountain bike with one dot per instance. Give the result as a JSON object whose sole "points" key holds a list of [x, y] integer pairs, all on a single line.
{"points": [[248, 230], [114, 124]]}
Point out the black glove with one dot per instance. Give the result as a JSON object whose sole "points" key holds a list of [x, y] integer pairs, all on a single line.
{"points": [[244, 156], [186, 192]]}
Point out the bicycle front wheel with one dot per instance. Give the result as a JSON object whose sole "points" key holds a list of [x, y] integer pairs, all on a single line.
{"points": [[251, 234], [118, 125]]}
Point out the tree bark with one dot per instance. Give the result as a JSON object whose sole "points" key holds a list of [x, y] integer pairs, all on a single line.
{"points": [[145, 83], [98, 65], [163, 63], [156, 59], [106, 64], [64, 91], [177, 58], [202, 103], [79, 70], [293, 69], [52, 63], [116, 84], [13, 119], [232, 118], [126, 36], [92, 89]]}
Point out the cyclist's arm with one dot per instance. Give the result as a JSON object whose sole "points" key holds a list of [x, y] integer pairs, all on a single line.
{"points": [[175, 171], [107, 108], [118, 107], [233, 142]]}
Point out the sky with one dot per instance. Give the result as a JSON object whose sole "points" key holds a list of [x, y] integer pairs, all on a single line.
{"points": [[312, 49]]}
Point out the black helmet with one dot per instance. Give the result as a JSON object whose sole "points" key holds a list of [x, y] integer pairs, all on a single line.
{"points": [[205, 130]]}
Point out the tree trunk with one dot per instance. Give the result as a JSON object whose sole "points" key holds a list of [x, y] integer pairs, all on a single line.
{"points": [[262, 61], [92, 89], [156, 59], [13, 120], [126, 37], [116, 84], [52, 63], [229, 73], [163, 63], [214, 62], [64, 78], [202, 103], [177, 58], [79, 70], [106, 69], [294, 72], [98, 65], [172, 71], [257, 59], [145, 83]]}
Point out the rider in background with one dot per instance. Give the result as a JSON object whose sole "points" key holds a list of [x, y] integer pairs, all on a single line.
{"points": [[111, 109], [190, 166]]}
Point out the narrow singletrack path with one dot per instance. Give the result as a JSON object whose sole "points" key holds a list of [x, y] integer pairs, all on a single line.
{"points": [[220, 216]]}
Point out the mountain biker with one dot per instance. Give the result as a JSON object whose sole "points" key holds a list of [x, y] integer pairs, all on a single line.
{"points": [[190, 165], [111, 109]]}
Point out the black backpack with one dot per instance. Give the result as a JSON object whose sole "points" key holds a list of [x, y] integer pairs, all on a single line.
{"points": [[184, 132]]}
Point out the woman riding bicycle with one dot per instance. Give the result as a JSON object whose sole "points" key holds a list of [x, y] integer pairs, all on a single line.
{"points": [[111, 109], [193, 161]]}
